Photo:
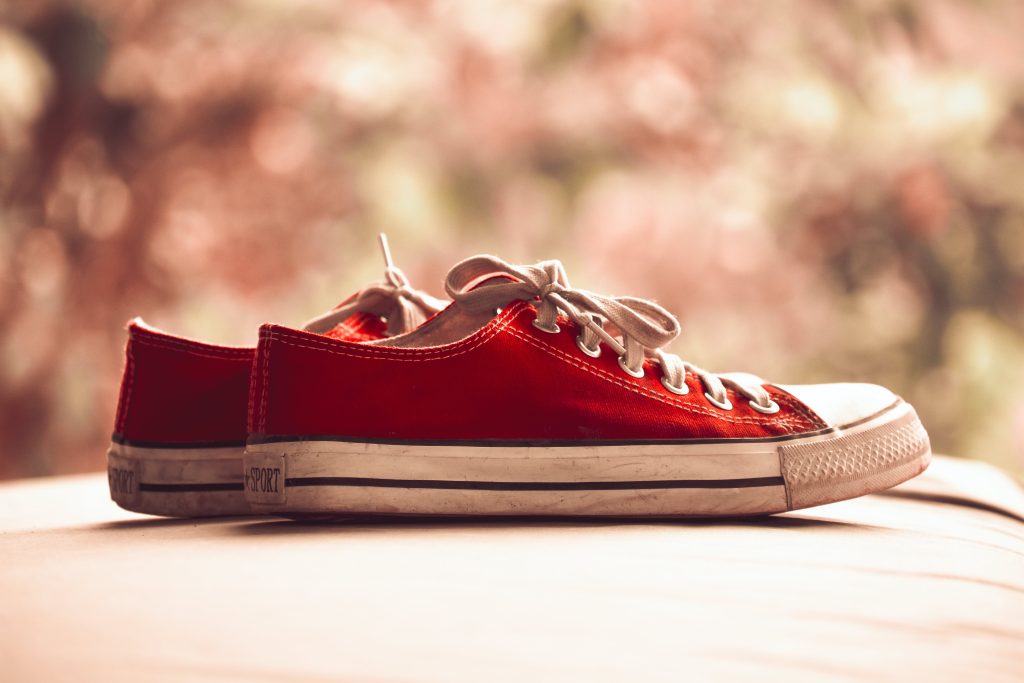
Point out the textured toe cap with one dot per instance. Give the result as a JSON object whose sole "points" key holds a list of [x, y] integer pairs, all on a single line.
{"points": [[842, 404]]}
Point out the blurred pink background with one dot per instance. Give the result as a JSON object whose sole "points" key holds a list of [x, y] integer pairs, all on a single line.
{"points": [[821, 191]]}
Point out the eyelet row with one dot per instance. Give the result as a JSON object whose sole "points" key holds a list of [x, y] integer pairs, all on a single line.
{"points": [[593, 353], [678, 391], [632, 373], [769, 409], [724, 405], [683, 390], [554, 329]]}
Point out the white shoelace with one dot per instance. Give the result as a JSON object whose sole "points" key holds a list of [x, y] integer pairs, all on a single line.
{"points": [[635, 329], [402, 307]]}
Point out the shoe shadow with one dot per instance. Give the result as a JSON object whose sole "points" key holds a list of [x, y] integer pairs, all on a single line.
{"points": [[169, 522], [363, 523]]}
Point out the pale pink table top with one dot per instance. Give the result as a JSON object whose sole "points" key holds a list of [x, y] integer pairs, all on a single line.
{"points": [[924, 583]]}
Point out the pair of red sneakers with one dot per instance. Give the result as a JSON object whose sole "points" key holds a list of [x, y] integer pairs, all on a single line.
{"points": [[524, 396]]}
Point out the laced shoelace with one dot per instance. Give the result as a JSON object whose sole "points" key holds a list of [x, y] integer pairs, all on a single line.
{"points": [[393, 299], [635, 329]]}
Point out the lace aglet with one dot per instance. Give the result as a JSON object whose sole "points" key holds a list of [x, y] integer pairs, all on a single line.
{"points": [[386, 250]]}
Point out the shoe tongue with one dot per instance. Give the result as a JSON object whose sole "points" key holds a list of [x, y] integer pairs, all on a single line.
{"points": [[452, 324], [380, 310], [364, 326], [372, 325], [359, 327]]}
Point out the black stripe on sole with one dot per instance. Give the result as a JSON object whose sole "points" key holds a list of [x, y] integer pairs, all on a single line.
{"points": [[536, 485], [190, 488], [171, 445]]}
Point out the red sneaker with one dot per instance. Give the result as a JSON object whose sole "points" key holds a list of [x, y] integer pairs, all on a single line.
{"points": [[180, 431], [528, 397]]}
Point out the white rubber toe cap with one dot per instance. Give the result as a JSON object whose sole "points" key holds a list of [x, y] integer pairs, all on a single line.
{"points": [[842, 404]]}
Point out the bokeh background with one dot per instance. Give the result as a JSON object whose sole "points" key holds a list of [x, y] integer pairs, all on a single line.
{"points": [[821, 190]]}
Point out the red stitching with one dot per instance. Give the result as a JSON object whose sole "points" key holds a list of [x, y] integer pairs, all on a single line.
{"points": [[356, 328]]}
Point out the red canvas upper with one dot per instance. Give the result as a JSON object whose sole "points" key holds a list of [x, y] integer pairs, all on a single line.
{"points": [[177, 391], [359, 327], [508, 380]]}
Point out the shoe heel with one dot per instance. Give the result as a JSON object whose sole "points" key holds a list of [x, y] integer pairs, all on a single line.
{"points": [[264, 479], [123, 479], [177, 482]]}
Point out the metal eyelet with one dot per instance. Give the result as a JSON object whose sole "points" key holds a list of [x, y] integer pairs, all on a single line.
{"points": [[593, 353], [678, 391], [554, 329], [724, 405], [770, 409], [638, 373]]}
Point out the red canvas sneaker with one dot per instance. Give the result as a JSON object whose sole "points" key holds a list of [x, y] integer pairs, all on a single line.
{"points": [[180, 430], [529, 397]]}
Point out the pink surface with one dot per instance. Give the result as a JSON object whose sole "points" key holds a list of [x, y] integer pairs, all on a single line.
{"points": [[923, 583]]}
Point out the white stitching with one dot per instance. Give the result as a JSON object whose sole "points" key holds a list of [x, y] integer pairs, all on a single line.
{"points": [[501, 323], [129, 372], [811, 420], [459, 348], [486, 333], [185, 347], [141, 333], [265, 386], [250, 415], [643, 391], [392, 353]]}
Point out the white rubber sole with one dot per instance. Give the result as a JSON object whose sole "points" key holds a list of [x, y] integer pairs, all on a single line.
{"points": [[723, 478], [177, 482]]}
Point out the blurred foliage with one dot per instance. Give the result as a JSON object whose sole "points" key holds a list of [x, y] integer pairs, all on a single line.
{"points": [[822, 190]]}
